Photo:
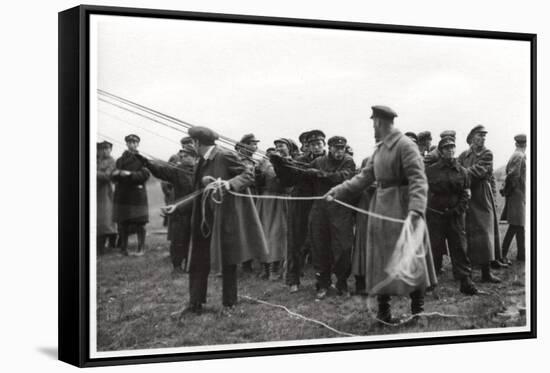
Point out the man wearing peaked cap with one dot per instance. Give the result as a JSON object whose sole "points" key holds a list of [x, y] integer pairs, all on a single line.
{"points": [[434, 155], [481, 219], [382, 111], [186, 140], [477, 129], [203, 135], [401, 192], [304, 148], [104, 144], [331, 225], [338, 141], [514, 191], [132, 137], [449, 187], [298, 210], [448, 133], [131, 210], [282, 145]]}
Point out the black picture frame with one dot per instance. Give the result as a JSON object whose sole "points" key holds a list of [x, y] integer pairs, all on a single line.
{"points": [[74, 222]]}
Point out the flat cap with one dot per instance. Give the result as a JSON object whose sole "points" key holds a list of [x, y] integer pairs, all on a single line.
{"points": [[104, 144], [186, 140], [339, 141], [382, 111], [303, 137], [205, 135], [248, 139], [477, 129], [284, 141], [424, 135], [448, 133], [446, 141], [412, 136], [521, 138], [132, 137], [189, 149], [315, 135]]}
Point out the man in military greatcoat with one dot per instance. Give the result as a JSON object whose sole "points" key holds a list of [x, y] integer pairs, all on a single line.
{"points": [[481, 219], [514, 191], [401, 192]]}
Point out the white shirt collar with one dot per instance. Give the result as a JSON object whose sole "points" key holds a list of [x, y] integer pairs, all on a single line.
{"points": [[208, 152]]}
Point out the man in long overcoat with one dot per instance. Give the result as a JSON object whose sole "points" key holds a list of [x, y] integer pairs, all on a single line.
{"points": [[131, 206], [106, 227], [225, 230], [180, 176], [514, 191], [481, 219], [401, 192]]}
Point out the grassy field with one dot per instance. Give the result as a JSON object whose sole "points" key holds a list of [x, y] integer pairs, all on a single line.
{"points": [[137, 295]]}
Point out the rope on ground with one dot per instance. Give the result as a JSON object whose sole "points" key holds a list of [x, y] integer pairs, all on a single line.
{"points": [[425, 314], [300, 316]]}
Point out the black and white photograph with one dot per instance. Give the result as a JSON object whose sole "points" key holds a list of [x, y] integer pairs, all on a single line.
{"points": [[263, 186]]}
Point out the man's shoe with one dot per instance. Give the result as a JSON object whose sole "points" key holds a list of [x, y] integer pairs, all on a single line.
{"points": [[467, 287], [490, 278], [293, 289], [495, 264], [321, 294]]}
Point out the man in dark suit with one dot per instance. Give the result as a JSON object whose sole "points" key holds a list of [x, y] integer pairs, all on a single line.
{"points": [[225, 231]]}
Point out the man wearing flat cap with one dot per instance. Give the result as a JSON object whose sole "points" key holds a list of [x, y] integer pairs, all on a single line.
{"points": [[448, 195], [401, 192], [106, 227], [514, 191], [298, 211], [481, 219], [180, 176], [224, 232], [130, 199]]}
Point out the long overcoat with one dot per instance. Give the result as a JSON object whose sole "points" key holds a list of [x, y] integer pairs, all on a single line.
{"points": [[398, 169], [105, 223], [130, 197], [481, 218], [359, 255], [232, 226], [514, 209], [273, 213]]}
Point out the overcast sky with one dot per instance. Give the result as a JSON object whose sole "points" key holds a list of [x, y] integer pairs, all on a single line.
{"points": [[281, 81]]}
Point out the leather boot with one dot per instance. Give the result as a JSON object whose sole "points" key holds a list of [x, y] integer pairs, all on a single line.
{"points": [[467, 286], [487, 276], [417, 302], [384, 309]]}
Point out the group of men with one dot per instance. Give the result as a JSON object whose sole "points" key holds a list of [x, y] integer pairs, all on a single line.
{"points": [[275, 207]]}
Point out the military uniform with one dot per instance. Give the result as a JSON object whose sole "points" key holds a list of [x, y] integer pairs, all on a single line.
{"points": [[331, 225], [447, 203], [514, 191], [298, 212]]}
